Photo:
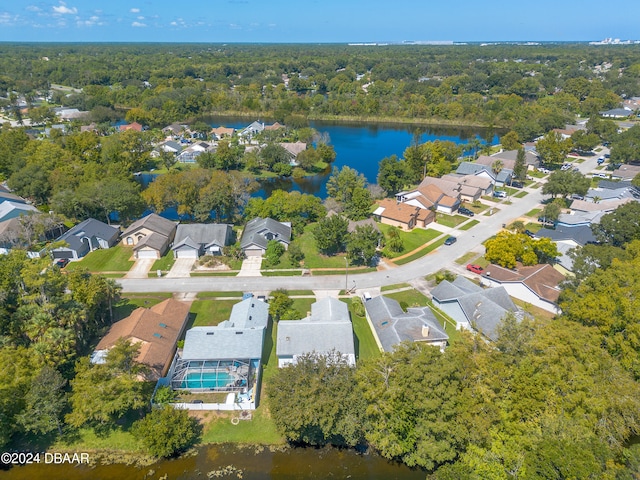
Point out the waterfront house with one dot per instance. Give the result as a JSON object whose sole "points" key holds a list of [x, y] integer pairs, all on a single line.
{"points": [[87, 236], [259, 231], [150, 236], [195, 239]]}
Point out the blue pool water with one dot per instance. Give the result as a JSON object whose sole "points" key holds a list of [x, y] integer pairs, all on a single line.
{"points": [[206, 380]]}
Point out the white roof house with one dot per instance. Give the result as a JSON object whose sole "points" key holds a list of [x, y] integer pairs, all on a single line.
{"points": [[327, 330]]}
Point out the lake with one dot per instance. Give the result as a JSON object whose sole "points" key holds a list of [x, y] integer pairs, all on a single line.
{"points": [[229, 461], [361, 146]]}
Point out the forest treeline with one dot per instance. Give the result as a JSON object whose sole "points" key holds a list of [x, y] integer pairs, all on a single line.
{"points": [[530, 89]]}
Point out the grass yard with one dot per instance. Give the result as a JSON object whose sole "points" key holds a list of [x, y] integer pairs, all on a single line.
{"points": [[303, 305], [410, 240], [421, 253], [412, 298], [259, 430], [125, 306], [469, 225], [165, 263], [313, 258], [280, 273], [537, 312], [302, 292], [218, 294], [214, 274], [466, 258], [210, 312], [521, 194], [536, 174], [386, 288], [451, 221], [342, 271], [533, 213], [114, 259], [365, 343]]}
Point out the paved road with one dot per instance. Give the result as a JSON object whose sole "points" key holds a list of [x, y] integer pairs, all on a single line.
{"points": [[440, 258]]}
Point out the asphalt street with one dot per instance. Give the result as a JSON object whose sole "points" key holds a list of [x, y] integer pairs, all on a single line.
{"points": [[443, 257]]}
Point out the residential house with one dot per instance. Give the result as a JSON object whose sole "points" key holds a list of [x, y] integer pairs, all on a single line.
{"points": [[626, 172], [175, 130], [11, 209], [602, 206], [168, 146], [274, 126], [253, 129], [391, 325], [469, 187], [7, 196], [221, 132], [566, 239], [191, 153], [402, 215], [536, 284], [474, 307], [500, 178], [87, 236], [131, 126], [259, 231], [150, 236], [196, 239], [326, 331], [434, 194], [156, 329], [617, 113], [293, 149], [225, 357]]}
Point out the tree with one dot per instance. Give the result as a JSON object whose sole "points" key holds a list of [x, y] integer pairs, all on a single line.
{"points": [[281, 306], [565, 183], [295, 207], [315, 402], [296, 255], [392, 174], [552, 210], [273, 252], [331, 234], [393, 240], [362, 244], [520, 165], [343, 183], [359, 206], [553, 148], [510, 141], [620, 226], [15, 381], [44, 403], [625, 147], [166, 431], [583, 141], [507, 248], [103, 393]]}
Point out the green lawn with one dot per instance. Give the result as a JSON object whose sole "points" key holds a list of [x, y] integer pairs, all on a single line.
{"points": [[533, 213], [214, 274], [114, 259], [366, 346], [342, 271], [280, 273], [211, 312], [450, 220], [218, 294], [301, 292], [421, 253], [165, 263], [386, 288], [521, 194], [302, 305], [413, 298], [466, 258], [312, 258], [259, 430], [410, 240], [125, 306], [469, 225]]}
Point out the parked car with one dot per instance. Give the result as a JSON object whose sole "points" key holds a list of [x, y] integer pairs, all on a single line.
{"points": [[613, 166], [466, 211], [61, 262], [517, 184], [530, 233], [600, 160], [475, 268], [544, 170], [565, 166], [601, 175], [500, 194], [607, 155], [366, 296], [450, 241]]}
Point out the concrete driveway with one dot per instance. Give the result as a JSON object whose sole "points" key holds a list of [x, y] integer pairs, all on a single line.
{"points": [[181, 268], [251, 267], [140, 268]]}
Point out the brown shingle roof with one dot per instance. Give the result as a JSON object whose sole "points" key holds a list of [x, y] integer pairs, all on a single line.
{"points": [[542, 279], [400, 212], [153, 222], [157, 328]]}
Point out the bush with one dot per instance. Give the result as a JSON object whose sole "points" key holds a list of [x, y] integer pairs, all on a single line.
{"points": [[358, 306], [166, 431], [164, 394], [444, 275], [273, 253]]}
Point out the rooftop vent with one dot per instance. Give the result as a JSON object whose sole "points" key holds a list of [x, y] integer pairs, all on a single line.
{"points": [[210, 333], [425, 331], [157, 335], [163, 325]]}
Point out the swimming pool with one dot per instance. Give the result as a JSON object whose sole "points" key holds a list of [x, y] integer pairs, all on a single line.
{"points": [[207, 380]]}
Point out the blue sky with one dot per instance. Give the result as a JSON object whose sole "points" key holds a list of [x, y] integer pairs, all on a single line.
{"points": [[316, 21]]}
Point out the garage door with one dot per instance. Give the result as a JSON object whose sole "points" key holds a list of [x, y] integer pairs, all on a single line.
{"points": [[249, 252], [62, 254], [147, 254], [190, 253]]}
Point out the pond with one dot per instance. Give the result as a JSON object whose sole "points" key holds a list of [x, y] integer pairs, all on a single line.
{"points": [[228, 461]]}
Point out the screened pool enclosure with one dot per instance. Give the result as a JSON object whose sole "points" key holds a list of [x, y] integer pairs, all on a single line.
{"points": [[213, 375]]}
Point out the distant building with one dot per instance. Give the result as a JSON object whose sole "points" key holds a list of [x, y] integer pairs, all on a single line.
{"points": [[259, 231]]}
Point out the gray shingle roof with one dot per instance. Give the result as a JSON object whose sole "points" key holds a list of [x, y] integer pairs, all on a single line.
{"points": [[239, 337], [449, 290], [197, 235], [259, 231], [327, 329], [392, 325], [581, 234], [93, 230], [469, 168]]}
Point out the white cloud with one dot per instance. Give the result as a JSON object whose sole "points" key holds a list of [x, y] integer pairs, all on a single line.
{"points": [[135, 10], [33, 8], [138, 25], [140, 17], [7, 19], [62, 9]]}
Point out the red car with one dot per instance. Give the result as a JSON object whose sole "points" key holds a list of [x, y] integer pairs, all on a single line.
{"points": [[475, 268]]}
